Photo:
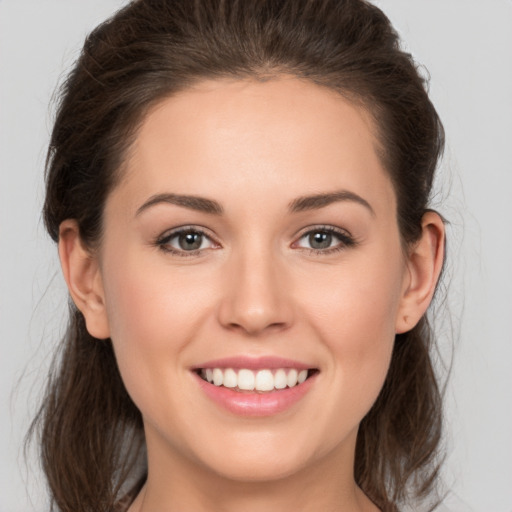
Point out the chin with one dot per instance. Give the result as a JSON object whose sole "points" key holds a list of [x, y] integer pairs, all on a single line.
{"points": [[266, 457], [259, 469]]}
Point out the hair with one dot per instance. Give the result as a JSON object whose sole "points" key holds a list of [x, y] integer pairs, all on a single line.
{"points": [[90, 431]]}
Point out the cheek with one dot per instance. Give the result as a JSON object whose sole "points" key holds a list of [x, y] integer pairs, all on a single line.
{"points": [[355, 301], [353, 312], [150, 305], [152, 315]]}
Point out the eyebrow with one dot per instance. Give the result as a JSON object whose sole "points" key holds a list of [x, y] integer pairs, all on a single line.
{"points": [[318, 201], [301, 204], [197, 203]]}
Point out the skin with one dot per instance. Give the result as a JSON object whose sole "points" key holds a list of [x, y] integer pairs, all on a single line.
{"points": [[255, 288]]}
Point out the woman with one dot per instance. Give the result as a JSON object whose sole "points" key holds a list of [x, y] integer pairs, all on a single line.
{"points": [[239, 192]]}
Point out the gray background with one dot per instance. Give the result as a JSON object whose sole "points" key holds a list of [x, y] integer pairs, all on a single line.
{"points": [[467, 47]]}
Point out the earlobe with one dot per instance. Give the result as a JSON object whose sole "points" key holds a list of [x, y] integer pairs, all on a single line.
{"points": [[424, 265], [82, 274]]}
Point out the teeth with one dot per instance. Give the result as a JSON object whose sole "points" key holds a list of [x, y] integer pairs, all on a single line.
{"points": [[303, 375], [291, 379], [248, 380], [230, 378], [280, 380], [264, 380], [218, 377], [245, 380]]}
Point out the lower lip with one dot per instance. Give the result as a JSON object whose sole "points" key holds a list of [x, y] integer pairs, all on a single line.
{"points": [[256, 404]]}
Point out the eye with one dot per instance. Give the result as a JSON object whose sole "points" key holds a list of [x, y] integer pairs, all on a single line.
{"points": [[185, 240], [325, 240]]}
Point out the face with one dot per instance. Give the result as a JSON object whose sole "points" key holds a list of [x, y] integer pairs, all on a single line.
{"points": [[253, 240]]}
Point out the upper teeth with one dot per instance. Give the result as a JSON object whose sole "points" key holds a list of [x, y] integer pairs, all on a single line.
{"points": [[249, 380]]}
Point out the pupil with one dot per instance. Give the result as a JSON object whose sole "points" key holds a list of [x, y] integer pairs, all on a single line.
{"points": [[320, 240], [190, 241]]}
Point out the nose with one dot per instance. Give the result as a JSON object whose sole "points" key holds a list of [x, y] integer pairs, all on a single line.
{"points": [[256, 296]]}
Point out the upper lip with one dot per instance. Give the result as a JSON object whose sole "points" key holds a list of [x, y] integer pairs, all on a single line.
{"points": [[254, 363]]}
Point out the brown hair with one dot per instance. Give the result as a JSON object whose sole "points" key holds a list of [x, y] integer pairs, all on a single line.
{"points": [[92, 443]]}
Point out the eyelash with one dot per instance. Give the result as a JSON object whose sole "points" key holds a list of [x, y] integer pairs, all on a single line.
{"points": [[163, 241], [346, 240]]}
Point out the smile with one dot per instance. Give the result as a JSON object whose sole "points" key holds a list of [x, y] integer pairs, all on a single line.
{"points": [[261, 386], [261, 381]]}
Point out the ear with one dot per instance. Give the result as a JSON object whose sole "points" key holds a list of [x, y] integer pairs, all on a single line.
{"points": [[424, 265], [82, 274]]}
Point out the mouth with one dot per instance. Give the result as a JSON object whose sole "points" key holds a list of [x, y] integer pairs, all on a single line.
{"points": [[265, 380], [260, 386]]}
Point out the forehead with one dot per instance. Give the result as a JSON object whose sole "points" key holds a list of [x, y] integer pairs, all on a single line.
{"points": [[284, 133]]}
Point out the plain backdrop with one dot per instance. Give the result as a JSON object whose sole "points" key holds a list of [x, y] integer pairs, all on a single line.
{"points": [[466, 46]]}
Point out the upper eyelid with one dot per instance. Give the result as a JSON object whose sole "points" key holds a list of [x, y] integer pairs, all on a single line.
{"points": [[323, 227], [187, 227], [163, 241], [300, 232], [168, 234], [345, 238]]}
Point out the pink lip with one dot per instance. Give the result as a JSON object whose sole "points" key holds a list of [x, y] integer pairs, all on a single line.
{"points": [[253, 403], [254, 363]]}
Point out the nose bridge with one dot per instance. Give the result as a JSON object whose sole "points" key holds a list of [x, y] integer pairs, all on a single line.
{"points": [[255, 298]]}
